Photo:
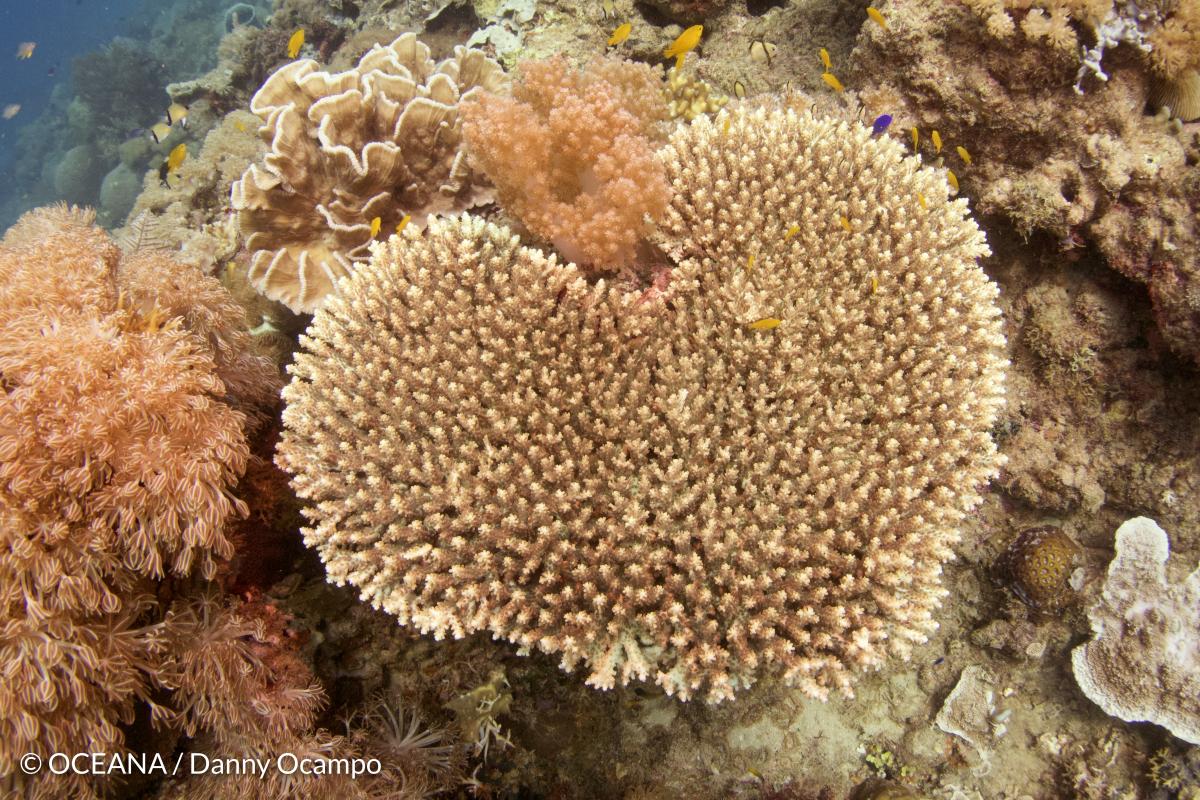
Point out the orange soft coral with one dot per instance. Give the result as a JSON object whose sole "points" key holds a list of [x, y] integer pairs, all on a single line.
{"points": [[572, 155], [128, 384], [119, 419]]}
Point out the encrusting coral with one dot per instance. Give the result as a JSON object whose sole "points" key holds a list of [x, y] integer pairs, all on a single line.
{"points": [[1140, 665], [572, 155], [381, 140], [129, 386], [652, 480], [1165, 32], [1085, 170]]}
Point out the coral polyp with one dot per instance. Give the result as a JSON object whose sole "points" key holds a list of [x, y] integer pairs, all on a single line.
{"points": [[1037, 566]]}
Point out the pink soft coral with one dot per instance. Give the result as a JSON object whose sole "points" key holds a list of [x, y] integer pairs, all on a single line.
{"points": [[572, 155]]}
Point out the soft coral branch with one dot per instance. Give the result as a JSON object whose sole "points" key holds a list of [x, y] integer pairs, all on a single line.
{"points": [[572, 155]]}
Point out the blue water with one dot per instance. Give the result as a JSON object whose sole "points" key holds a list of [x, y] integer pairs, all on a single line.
{"points": [[63, 31]]}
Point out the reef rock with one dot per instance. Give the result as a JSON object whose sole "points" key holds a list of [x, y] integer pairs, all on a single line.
{"points": [[1142, 662], [118, 193], [1084, 170], [77, 176]]}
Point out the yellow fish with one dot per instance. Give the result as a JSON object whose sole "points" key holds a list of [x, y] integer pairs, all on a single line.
{"points": [[725, 127], [845, 223], [684, 44], [921, 200], [739, 89], [937, 141], [876, 17], [177, 114], [825, 59], [963, 154], [11, 110], [833, 82], [176, 157], [792, 231], [620, 34], [400, 225], [874, 284], [25, 50], [160, 131], [950, 176], [916, 137], [750, 263], [295, 43], [376, 224], [765, 324]]}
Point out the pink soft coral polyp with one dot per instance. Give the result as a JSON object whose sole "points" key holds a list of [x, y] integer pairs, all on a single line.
{"points": [[572, 156]]}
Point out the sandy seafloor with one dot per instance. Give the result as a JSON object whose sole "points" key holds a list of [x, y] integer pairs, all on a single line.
{"points": [[1102, 422]]}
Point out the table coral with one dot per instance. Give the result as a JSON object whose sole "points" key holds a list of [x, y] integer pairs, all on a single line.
{"points": [[1140, 665], [572, 155], [381, 140], [640, 479]]}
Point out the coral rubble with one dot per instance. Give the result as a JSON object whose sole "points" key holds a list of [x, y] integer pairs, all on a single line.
{"points": [[379, 141], [649, 480]]}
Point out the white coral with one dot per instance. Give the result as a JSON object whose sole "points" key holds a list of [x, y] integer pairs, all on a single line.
{"points": [[1122, 25], [1143, 663]]}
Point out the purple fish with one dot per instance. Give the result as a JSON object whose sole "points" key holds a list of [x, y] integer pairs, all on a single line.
{"points": [[881, 124]]}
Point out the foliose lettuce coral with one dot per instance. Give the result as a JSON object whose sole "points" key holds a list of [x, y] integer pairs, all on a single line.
{"points": [[650, 480], [381, 140]]}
